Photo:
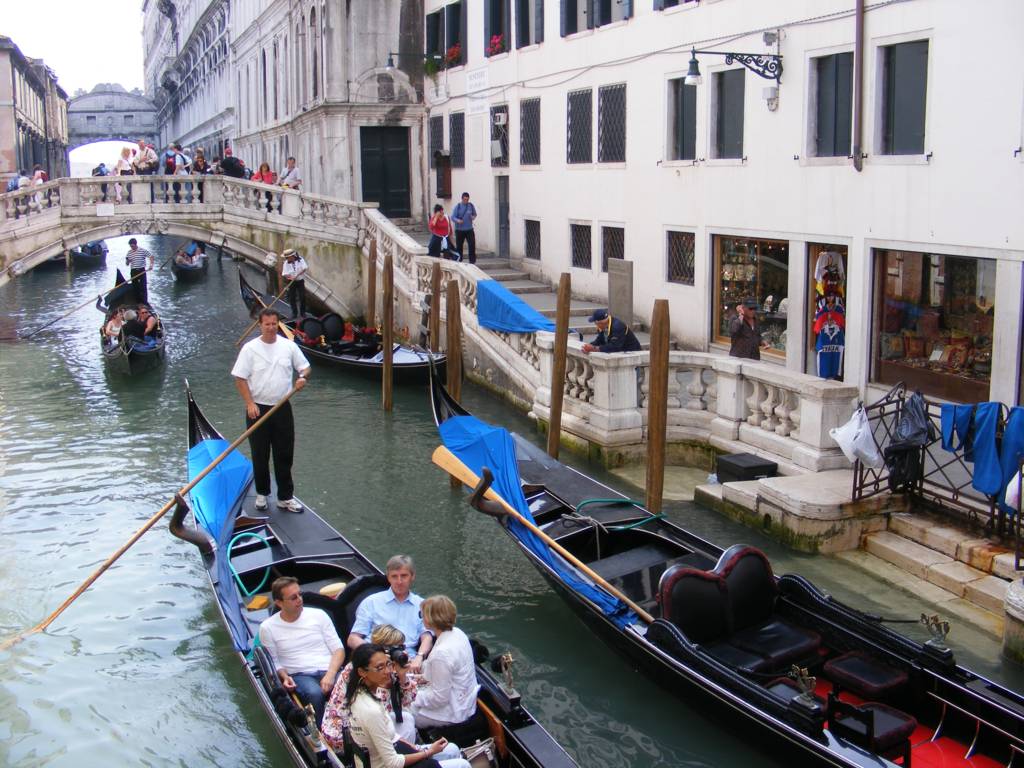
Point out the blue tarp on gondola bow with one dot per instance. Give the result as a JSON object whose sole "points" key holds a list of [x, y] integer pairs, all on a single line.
{"points": [[499, 309], [479, 445], [215, 501]]}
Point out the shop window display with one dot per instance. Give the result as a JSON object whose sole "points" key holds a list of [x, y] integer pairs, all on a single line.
{"points": [[758, 269], [827, 337], [933, 323]]}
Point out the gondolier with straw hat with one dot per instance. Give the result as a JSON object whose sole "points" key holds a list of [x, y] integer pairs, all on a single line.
{"points": [[293, 270]]}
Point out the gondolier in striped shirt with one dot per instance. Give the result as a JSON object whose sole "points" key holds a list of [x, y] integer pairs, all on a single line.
{"points": [[137, 260]]}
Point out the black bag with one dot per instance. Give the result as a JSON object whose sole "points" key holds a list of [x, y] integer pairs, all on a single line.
{"points": [[904, 465], [914, 429]]}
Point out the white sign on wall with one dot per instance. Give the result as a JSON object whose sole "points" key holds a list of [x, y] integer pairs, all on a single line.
{"points": [[476, 83]]}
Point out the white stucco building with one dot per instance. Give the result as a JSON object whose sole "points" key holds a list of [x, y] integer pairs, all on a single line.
{"points": [[578, 123]]}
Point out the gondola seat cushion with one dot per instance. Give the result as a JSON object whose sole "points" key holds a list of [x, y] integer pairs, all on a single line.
{"points": [[694, 601], [863, 675], [333, 325], [877, 727], [312, 328]]}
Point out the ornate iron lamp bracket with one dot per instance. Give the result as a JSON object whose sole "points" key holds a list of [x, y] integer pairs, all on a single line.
{"points": [[766, 65]]}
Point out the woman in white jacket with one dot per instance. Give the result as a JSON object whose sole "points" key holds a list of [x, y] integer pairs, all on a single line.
{"points": [[448, 687]]}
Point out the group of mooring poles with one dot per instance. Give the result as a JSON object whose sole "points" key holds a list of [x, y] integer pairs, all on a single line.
{"points": [[657, 398]]}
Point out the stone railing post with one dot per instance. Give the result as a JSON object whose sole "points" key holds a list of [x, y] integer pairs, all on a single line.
{"points": [[731, 398], [823, 406], [614, 414], [291, 204], [213, 190]]}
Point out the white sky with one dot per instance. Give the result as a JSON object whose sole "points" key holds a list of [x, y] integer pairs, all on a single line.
{"points": [[84, 42]]}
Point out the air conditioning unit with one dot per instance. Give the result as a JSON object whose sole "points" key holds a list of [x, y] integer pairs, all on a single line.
{"points": [[500, 118]]}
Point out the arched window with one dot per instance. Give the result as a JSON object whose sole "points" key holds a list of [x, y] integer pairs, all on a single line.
{"points": [[314, 51]]}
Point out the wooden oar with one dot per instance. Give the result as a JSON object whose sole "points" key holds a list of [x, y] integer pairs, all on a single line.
{"points": [[138, 534], [82, 306], [451, 464], [256, 322]]}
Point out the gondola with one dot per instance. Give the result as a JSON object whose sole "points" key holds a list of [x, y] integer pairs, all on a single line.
{"points": [[190, 273], [771, 656], [92, 254], [326, 340], [243, 550], [130, 355]]}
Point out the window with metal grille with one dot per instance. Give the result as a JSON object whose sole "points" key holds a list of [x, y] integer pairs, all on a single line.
{"points": [[682, 120], [454, 34], [904, 83], [434, 34], [531, 238], [529, 22], [578, 130], [497, 26], [611, 123], [613, 245], [680, 257], [579, 236], [499, 136], [529, 132], [729, 113], [436, 130], [457, 139], [834, 109]]}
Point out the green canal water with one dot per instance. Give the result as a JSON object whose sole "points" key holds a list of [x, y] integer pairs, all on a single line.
{"points": [[138, 671]]}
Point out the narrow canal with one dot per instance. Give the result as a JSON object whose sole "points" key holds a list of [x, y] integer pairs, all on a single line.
{"points": [[139, 671]]}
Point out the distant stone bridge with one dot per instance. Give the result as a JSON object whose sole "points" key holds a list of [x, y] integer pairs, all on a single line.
{"points": [[252, 220]]}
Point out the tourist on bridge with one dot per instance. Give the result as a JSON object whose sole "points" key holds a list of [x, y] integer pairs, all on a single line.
{"points": [[145, 161], [263, 375], [200, 168], [231, 165], [123, 167], [293, 270], [137, 260], [292, 176], [463, 217], [266, 176], [613, 335], [440, 233], [745, 332]]}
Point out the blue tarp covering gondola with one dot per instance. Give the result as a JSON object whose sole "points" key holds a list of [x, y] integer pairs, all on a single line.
{"points": [[215, 501], [499, 309], [479, 445]]}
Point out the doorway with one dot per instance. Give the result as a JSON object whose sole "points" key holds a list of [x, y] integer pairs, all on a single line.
{"points": [[502, 239], [384, 152]]}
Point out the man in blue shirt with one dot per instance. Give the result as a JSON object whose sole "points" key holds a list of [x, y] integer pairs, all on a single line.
{"points": [[463, 216], [397, 606], [613, 335]]}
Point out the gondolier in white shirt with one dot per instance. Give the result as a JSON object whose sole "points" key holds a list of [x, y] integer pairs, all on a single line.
{"points": [[263, 375], [139, 260], [293, 270]]}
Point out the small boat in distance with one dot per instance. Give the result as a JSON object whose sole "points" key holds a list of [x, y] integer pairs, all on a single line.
{"points": [[772, 656], [330, 340], [92, 254], [243, 550], [190, 264]]}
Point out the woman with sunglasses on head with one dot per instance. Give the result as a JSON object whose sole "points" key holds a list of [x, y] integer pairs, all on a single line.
{"points": [[374, 730]]}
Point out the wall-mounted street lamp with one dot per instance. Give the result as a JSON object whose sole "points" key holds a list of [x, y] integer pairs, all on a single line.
{"points": [[422, 56], [766, 65]]}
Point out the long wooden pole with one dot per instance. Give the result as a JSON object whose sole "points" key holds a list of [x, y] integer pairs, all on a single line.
{"points": [[451, 464], [371, 285], [657, 406], [149, 524], [453, 350], [256, 322], [434, 324], [388, 330], [558, 364], [86, 304]]}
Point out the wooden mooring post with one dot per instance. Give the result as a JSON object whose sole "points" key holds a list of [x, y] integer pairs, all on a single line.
{"points": [[657, 409], [371, 285], [388, 330], [434, 323], [453, 313], [558, 364]]}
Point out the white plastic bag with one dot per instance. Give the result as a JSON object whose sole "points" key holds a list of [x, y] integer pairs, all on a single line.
{"points": [[1013, 491], [855, 440]]}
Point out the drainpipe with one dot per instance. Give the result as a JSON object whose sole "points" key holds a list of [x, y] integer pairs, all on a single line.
{"points": [[858, 88]]}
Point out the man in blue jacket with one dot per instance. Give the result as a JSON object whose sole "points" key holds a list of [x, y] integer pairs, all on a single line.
{"points": [[463, 216], [613, 335]]}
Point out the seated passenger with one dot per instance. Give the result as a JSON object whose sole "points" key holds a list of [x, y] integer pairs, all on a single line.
{"points": [[132, 326], [372, 728], [448, 688], [113, 327], [336, 716], [397, 606], [183, 258], [148, 320], [306, 649]]}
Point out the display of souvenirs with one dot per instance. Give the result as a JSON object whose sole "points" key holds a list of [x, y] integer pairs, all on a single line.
{"points": [[752, 268], [829, 325]]}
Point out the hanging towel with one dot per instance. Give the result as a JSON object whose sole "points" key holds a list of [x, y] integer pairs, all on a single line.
{"points": [[988, 473], [956, 421], [1012, 451]]}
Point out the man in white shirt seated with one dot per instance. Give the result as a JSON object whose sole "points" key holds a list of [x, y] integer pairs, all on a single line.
{"points": [[306, 649], [292, 176]]}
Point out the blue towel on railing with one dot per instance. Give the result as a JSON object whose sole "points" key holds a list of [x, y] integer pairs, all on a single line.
{"points": [[956, 422], [499, 309], [1011, 453], [987, 474]]}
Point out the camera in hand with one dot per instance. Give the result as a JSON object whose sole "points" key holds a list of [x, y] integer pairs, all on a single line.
{"points": [[398, 655]]}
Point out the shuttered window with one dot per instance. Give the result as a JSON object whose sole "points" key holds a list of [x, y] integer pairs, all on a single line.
{"points": [[529, 22], [729, 113], [682, 120], [905, 78], [834, 112]]}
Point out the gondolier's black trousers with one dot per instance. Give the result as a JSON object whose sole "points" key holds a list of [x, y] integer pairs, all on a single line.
{"points": [[297, 297], [141, 287], [278, 435]]}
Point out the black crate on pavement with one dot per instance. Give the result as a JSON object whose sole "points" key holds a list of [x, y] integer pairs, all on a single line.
{"points": [[744, 466]]}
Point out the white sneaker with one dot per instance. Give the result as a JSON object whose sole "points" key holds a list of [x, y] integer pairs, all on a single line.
{"points": [[290, 504], [261, 502]]}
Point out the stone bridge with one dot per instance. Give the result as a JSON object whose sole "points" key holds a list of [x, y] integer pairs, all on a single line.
{"points": [[249, 219]]}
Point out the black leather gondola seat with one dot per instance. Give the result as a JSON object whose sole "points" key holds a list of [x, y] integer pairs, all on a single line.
{"points": [[312, 328], [334, 326]]}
